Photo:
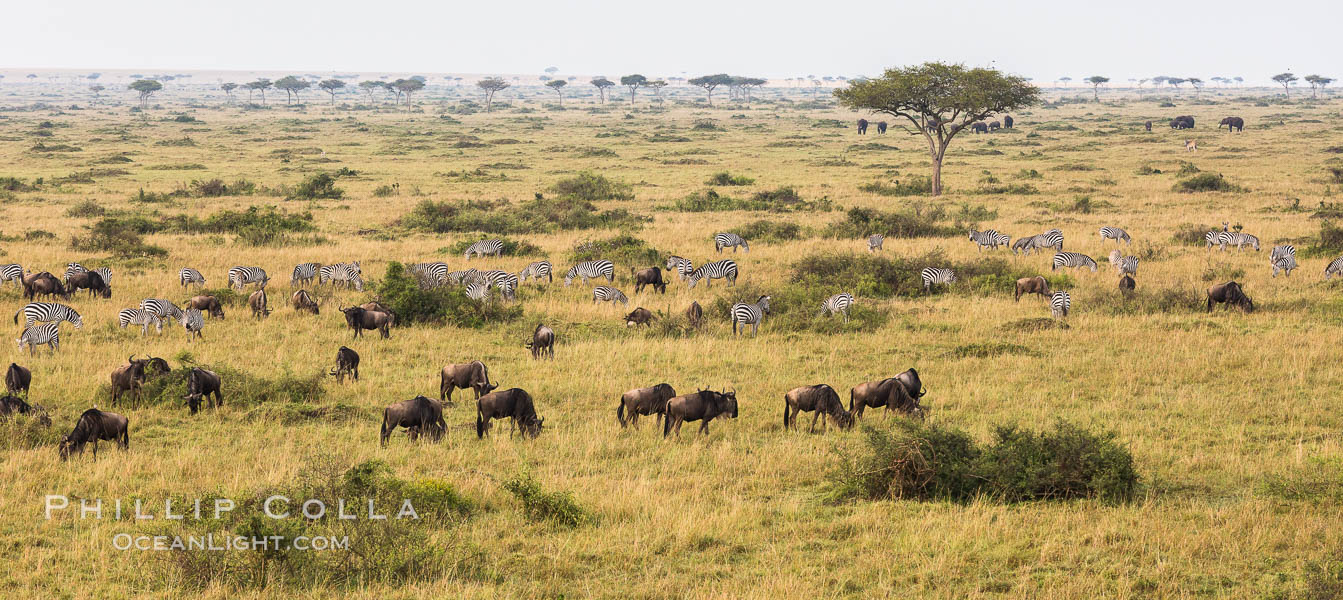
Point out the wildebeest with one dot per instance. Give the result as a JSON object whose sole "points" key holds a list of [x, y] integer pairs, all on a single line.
{"points": [[128, 378], [202, 383], [13, 405], [1182, 122], [1231, 294], [419, 415], [639, 316], [43, 284], [1231, 123], [650, 276], [301, 300], [1007, 121], [979, 127], [347, 362], [862, 126], [700, 406], [157, 365], [95, 425], [543, 342], [512, 403], [820, 398], [375, 305], [360, 319], [694, 314], [1032, 285], [474, 375], [91, 281], [258, 303], [18, 379], [644, 401], [209, 304], [1126, 285], [901, 393], [881, 127]]}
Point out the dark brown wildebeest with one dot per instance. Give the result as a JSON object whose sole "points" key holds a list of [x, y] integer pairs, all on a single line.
{"points": [[43, 284], [208, 304], [13, 405], [128, 377], [543, 342], [1230, 293], [419, 415], [820, 398], [1126, 285], [18, 379], [158, 366], [91, 281], [639, 316], [472, 375], [347, 363], [301, 300], [700, 406], [95, 425], [513, 404], [694, 314], [360, 319], [258, 303], [901, 393], [650, 276], [644, 401], [1032, 285], [374, 305], [202, 383]]}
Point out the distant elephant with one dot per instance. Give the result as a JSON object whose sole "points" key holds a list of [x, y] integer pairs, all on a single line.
{"points": [[1182, 122], [862, 126], [1007, 121], [979, 127], [995, 126], [1236, 123], [881, 127]]}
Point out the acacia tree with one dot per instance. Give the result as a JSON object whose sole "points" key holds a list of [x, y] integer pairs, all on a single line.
{"points": [[602, 84], [633, 82], [291, 86], [558, 85], [146, 88], [331, 86], [1096, 82], [96, 89], [656, 85], [709, 82], [260, 85], [1285, 80], [228, 90], [1317, 83], [491, 85], [748, 83], [1196, 83], [1065, 80], [371, 86], [408, 87], [939, 100]]}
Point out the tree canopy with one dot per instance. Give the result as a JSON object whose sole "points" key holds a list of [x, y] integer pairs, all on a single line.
{"points": [[145, 88], [1285, 80], [1096, 82], [260, 85], [633, 82], [709, 82], [1317, 83], [331, 86], [491, 85], [558, 85], [292, 86], [602, 84]]}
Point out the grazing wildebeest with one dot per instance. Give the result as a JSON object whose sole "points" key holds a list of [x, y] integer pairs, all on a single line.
{"points": [[1032, 285], [1007, 121], [95, 425], [694, 314], [820, 398], [18, 379], [1235, 123], [1231, 294], [543, 342], [700, 406], [157, 366], [347, 362], [13, 405], [639, 316], [209, 304], [1126, 285], [202, 383], [862, 126], [644, 401], [360, 319], [43, 284], [979, 127], [650, 276], [419, 415], [258, 303], [511, 403], [901, 393], [301, 300], [472, 375], [91, 281], [881, 127], [128, 377]]}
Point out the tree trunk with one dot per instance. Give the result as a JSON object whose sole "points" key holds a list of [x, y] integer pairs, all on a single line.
{"points": [[937, 175]]}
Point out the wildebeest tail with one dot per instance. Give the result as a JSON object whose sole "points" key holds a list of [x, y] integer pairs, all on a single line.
{"points": [[382, 432], [785, 413], [850, 400], [480, 425], [620, 412], [666, 423], [126, 438]]}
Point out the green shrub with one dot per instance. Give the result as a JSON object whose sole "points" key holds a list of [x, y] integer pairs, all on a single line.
{"points": [[86, 210], [240, 387], [117, 237], [1319, 481], [543, 506], [401, 292], [511, 247], [1206, 182], [771, 231], [910, 222], [591, 187], [725, 178], [534, 216], [915, 186], [1328, 244], [1187, 168], [214, 188], [870, 275], [320, 186], [623, 249]]}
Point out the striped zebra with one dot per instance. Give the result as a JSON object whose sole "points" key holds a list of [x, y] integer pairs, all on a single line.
{"points": [[984, 239], [1060, 303], [931, 275], [189, 276], [241, 276], [1027, 245], [505, 281], [485, 248], [478, 290], [744, 314], [1001, 239], [1050, 239], [725, 240], [48, 312], [1116, 234], [839, 303], [105, 273], [1335, 267], [606, 293], [12, 272], [874, 242], [591, 270], [1283, 258], [537, 270], [144, 318], [193, 321], [1072, 259], [347, 274], [723, 269], [1212, 238], [467, 276], [682, 266], [163, 309], [1127, 265], [48, 334], [304, 274], [1239, 240], [71, 269], [432, 274]]}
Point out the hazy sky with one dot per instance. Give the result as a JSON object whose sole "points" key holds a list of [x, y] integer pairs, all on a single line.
{"points": [[1043, 39]]}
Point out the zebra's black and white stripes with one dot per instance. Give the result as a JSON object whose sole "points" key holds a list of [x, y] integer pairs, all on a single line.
{"points": [[839, 303], [744, 314], [485, 248], [48, 334], [304, 273], [985, 239], [932, 275], [105, 273], [1060, 303], [189, 276], [682, 266], [1126, 265], [141, 317], [1116, 234], [163, 309], [1072, 259], [1283, 258], [432, 274], [193, 322], [729, 240], [71, 269], [1237, 239], [1335, 267], [347, 274], [12, 272], [875, 241], [241, 276], [47, 312], [537, 270], [477, 289], [591, 270], [606, 293], [723, 269]]}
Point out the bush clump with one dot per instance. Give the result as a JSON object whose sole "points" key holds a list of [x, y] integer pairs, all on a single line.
{"points": [[868, 275], [240, 387], [909, 222], [512, 247], [540, 505], [85, 210], [1329, 243], [1206, 182], [320, 186], [726, 179], [593, 188], [117, 237], [763, 230], [413, 303], [623, 249], [539, 215], [914, 186]]}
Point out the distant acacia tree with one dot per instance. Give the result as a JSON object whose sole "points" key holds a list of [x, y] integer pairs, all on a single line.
{"points": [[746, 84], [1285, 80], [331, 86], [491, 85], [146, 88], [656, 85], [709, 82], [291, 86], [370, 86], [408, 86], [602, 84], [633, 82], [228, 90], [1065, 80], [939, 100], [558, 86], [96, 89], [1096, 82], [1175, 81], [1317, 83], [1196, 83], [552, 71], [260, 85]]}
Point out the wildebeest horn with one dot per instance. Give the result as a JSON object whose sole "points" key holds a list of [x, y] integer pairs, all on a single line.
{"points": [[130, 358], [923, 392]]}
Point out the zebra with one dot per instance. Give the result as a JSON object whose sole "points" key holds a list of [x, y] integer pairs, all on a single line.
{"points": [[105, 273], [1028, 244], [725, 240], [193, 321], [1072, 259], [304, 273], [505, 281], [1238, 239], [144, 318], [1060, 303], [48, 312], [467, 276], [48, 334], [1212, 238], [1283, 258], [434, 273], [478, 290], [723, 269], [1335, 267], [189, 276], [682, 266], [537, 270], [606, 293], [874, 242], [931, 275], [12, 272], [345, 273], [161, 308], [1051, 239], [1001, 239], [984, 239], [1116, 234], [839, 303], [591, 269], [744, 314], [1127, 265], [71, 269], [241, 276], [485, 248]]}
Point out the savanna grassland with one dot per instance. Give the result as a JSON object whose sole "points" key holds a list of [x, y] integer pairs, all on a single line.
{"points": [[1232, 418]]}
